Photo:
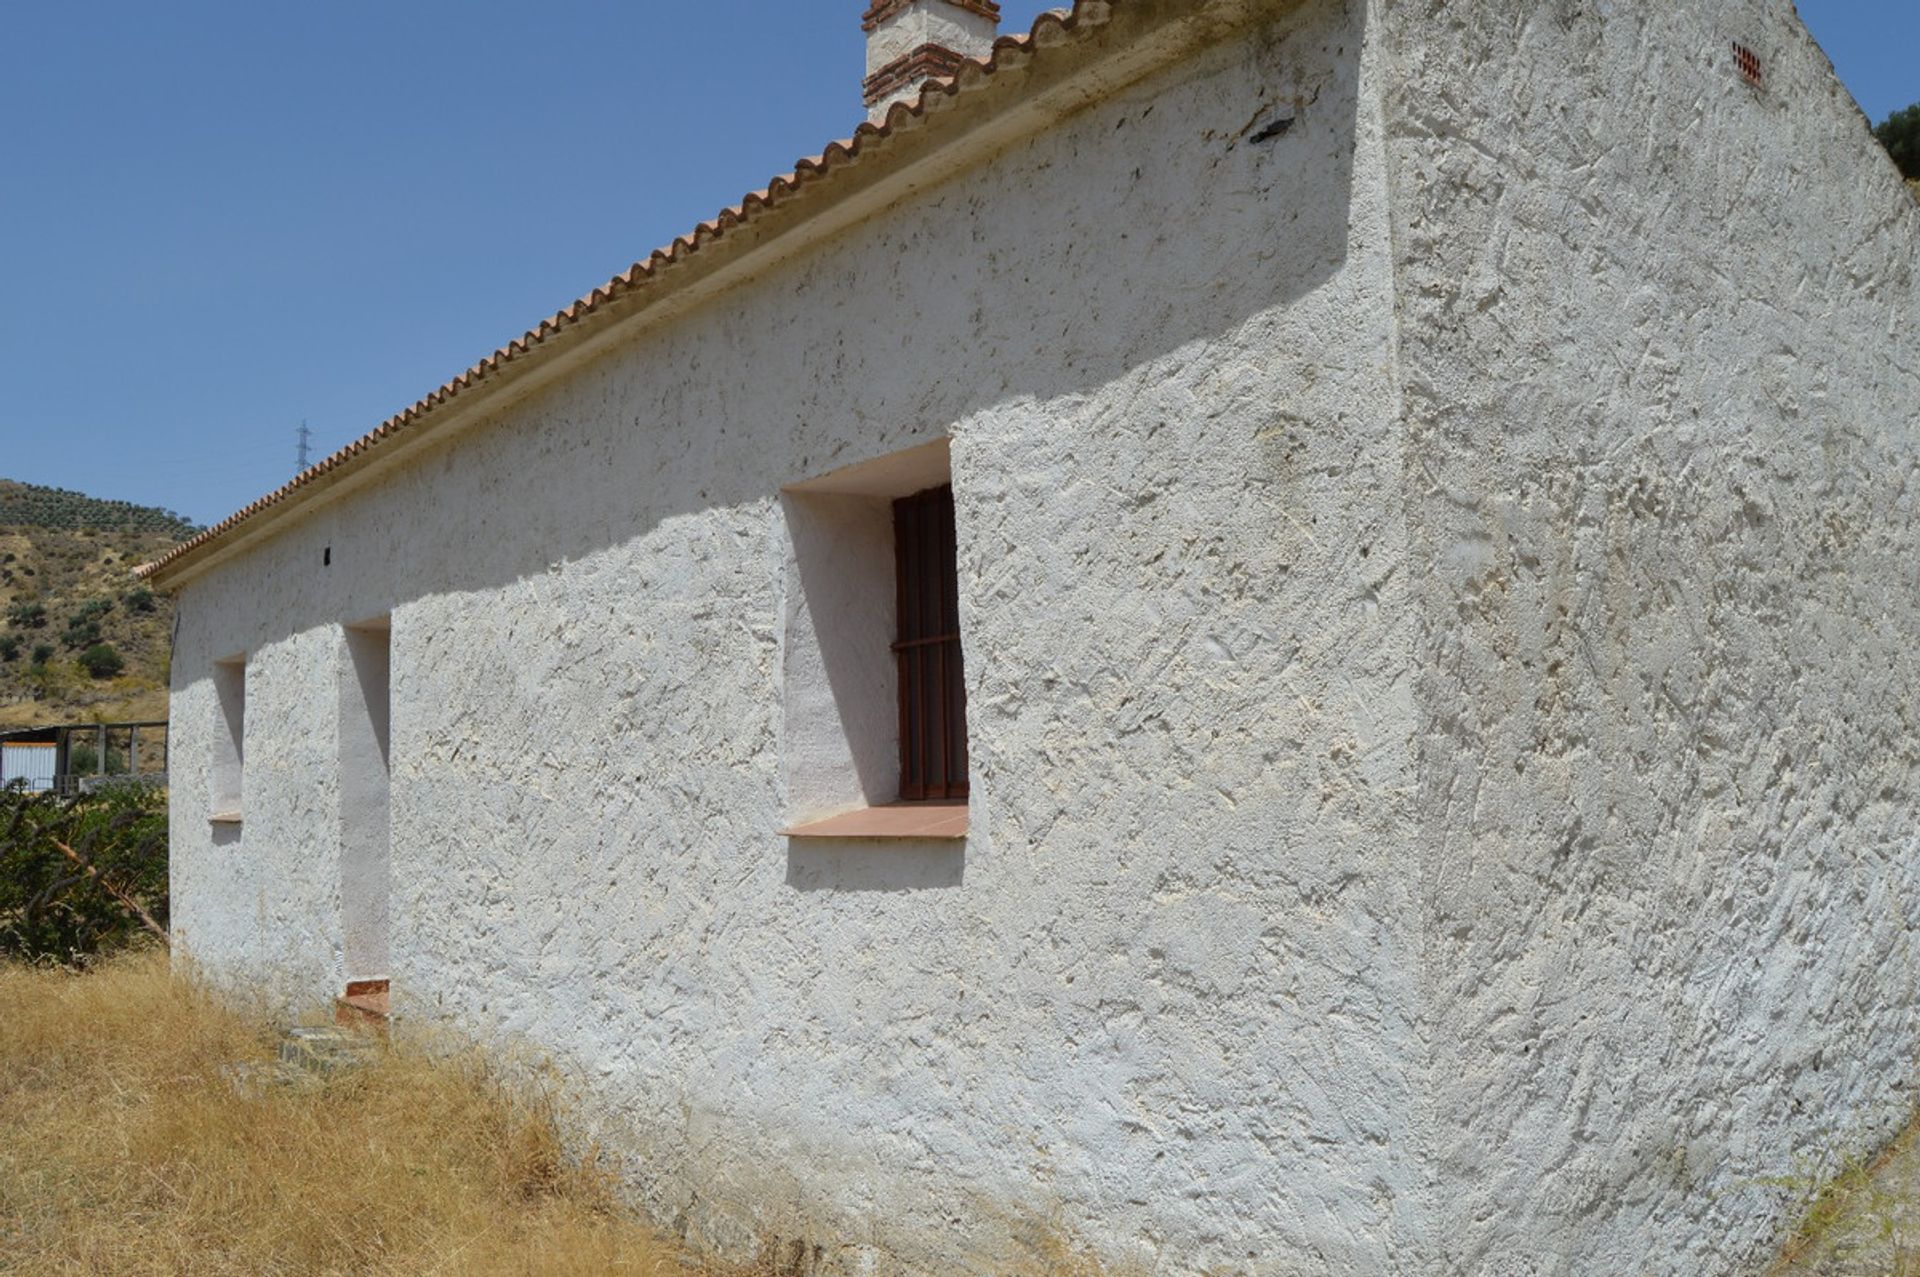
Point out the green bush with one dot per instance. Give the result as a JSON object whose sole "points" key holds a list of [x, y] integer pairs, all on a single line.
{"points": [[81, 634], [9, 648], [1900, 134], [42, 653], [102, 661], [141, 600], [83, 760], [54, 909], [28, 615]]}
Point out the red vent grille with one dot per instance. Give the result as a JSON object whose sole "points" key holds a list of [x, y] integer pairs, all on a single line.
{"points": [[1747, 63]]}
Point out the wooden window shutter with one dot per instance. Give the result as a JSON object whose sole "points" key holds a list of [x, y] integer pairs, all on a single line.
{"points": [[933, 687]]}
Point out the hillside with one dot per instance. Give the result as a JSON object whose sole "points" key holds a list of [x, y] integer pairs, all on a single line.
{"points": [[68, 600], [29, 505]]}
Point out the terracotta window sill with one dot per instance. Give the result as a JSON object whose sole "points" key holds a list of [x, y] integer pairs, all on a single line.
{"points": [[936, 820], [224, 818]]}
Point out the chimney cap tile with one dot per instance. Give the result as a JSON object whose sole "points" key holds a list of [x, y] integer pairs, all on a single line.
{"points": [[881, 10]]}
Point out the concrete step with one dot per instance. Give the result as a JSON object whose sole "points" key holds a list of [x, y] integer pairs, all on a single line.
{"points": [[325, 1049], [306, 1057], [314, 1052]]}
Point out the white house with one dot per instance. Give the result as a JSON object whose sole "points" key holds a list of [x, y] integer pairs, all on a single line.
{"points": [[29, 764], [1401, 641]]}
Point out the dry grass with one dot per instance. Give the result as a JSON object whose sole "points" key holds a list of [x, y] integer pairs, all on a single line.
{"points": [[1858, 1219], [126, 1149], [74, 699]]}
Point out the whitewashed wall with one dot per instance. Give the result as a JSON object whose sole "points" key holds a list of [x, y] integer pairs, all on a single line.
{"points": [[1662, 368], [1468, 835], [1163, 997]]}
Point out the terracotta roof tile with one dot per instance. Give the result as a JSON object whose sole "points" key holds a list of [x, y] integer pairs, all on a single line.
{"points": [[1051, 29]]}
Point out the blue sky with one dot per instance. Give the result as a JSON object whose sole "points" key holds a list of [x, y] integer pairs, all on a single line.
{"points": [[217, 219]]}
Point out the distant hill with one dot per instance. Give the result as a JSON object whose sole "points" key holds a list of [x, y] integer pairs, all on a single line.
{"points": [[27, 505], [71, 610]]}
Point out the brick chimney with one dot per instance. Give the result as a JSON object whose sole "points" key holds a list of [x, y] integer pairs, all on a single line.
{"points": [[912, 41]]}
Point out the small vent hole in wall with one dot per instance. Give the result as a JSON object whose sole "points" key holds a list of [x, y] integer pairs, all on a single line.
{"points": [[326, 557], [1747, 63]]}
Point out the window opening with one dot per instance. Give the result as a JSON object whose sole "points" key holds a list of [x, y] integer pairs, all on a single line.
{"points": [[366, 781], [230, 736], [933, 695]]}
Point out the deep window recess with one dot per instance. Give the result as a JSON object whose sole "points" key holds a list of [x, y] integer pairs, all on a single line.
{"points": [[229, 737], [933, 691], [366, 798]]}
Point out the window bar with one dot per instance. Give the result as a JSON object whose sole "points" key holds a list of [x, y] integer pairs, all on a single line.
{"points": [[930, 658], [911, 785], [953, 690], [937, 677], [932, 683]]}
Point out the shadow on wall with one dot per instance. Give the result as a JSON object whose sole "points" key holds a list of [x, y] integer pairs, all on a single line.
{"points": [[1203, 200], [853, 865], [842, 711], [989, 293]]}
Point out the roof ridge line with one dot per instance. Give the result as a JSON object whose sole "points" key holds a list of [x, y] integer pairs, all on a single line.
{"points": [[1051, 28]]}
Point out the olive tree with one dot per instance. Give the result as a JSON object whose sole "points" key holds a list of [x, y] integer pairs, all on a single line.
{"points": [[1900, 134]]}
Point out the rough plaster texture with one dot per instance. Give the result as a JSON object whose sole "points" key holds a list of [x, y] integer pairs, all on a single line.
{"points": [[1435, 592], [1161, 996], [1660, 360]]}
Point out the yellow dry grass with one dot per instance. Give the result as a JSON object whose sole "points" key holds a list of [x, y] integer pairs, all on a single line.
{"points": [[126, 1148], [123, 700]]}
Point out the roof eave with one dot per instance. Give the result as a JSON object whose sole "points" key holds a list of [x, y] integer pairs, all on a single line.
{"points": [[1066, 63]]}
